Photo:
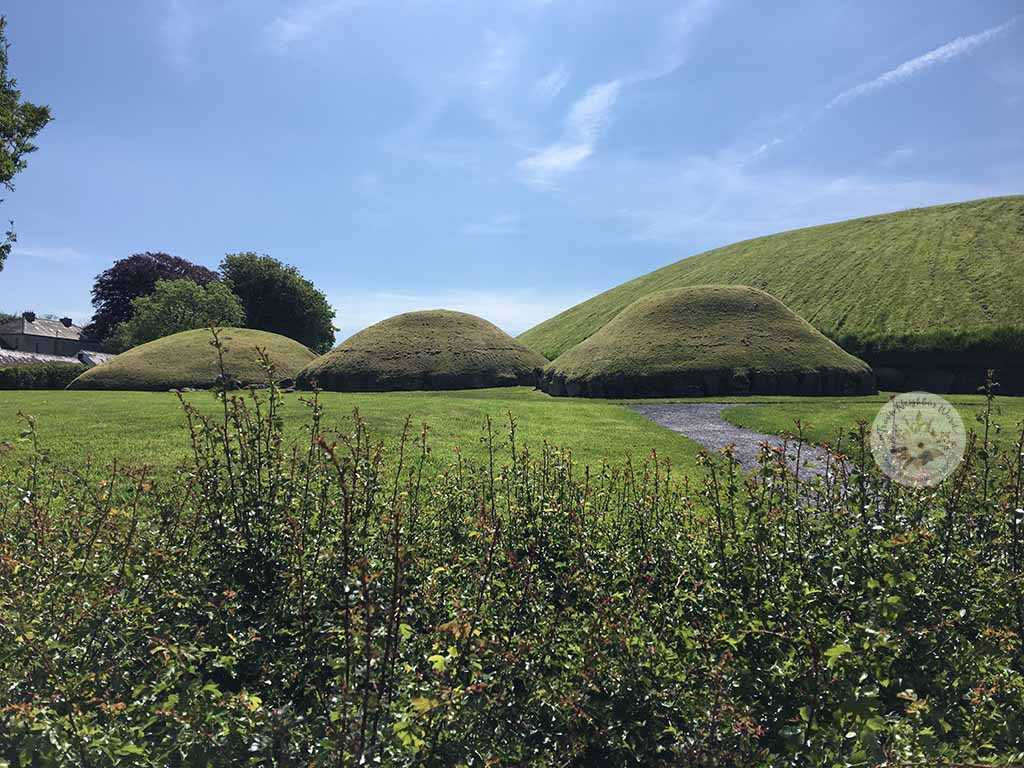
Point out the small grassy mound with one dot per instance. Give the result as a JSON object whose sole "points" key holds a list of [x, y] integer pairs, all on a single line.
{"points": [[705, 341], [437, 349], [188, 359]]}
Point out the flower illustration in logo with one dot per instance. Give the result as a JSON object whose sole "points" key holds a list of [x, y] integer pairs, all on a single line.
{"points": [[918, 439]]}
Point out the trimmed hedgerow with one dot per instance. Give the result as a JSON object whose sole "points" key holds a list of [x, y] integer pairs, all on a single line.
{"points": [[336, 605], [1000, 348], [40, 375]]}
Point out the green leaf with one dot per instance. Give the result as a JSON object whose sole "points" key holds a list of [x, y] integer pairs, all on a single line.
{"points": [[876, 723], [833, 653], [422, 704]]}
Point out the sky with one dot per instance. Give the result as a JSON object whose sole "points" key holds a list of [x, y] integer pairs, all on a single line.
{"points": [[506, 158]]}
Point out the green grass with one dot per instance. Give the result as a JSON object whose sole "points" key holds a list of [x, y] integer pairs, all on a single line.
{"points": [[188, 359], [959, 268], [825, 419], [148, 427], [706, 340], [435, 350]]}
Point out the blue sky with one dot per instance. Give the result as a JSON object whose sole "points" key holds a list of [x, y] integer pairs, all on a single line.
{"points": [[507, 158]]}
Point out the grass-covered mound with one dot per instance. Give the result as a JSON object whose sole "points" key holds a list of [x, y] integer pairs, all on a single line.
{"points": [[437, 349], [189, 359], [932, 287], [704, 341]]}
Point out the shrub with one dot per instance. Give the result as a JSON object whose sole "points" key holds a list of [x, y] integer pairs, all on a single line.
{"points": [[40, 376], [178, 305], [329, 603]]}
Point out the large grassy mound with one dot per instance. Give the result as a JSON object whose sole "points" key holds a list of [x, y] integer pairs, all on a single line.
{"points": [[188, 359], [703, 341], [939, 286], [437, 349]]}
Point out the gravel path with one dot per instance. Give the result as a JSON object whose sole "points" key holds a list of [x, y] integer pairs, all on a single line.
{"points": [[703, 423]]}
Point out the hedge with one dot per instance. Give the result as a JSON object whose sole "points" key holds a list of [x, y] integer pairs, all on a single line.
{"points": [[40, 375]]}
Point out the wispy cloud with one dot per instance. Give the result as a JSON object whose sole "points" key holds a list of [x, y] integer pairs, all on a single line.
{"points": [[591, 113], [907, 69], [587, 118], [176, 31], [672, 48], [301, 21], [57, 255], [550, 85], [543, 168], [500, 226], [501, 57]]}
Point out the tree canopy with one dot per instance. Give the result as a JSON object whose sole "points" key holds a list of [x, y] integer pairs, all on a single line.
{"points": [[279, 299], [20, 122], [179, 305], [134, 277]]}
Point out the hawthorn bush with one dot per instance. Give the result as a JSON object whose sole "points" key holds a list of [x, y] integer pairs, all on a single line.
{"points": [[334, 604]]}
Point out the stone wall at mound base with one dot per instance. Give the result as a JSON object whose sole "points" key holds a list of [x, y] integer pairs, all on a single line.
{"points": [[960, 381], [420, 382], [712, 383]]}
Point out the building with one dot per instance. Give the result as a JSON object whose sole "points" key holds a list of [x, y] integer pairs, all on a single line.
{"points": [[44, 337]]}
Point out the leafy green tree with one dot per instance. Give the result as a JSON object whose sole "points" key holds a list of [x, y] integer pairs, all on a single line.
{"points": [[20, 122], [279, 299], [179, 305], [130, 278]]}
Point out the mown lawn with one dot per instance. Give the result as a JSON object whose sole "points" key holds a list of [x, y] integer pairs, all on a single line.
{"points": [[826, 418], [149, 427]]}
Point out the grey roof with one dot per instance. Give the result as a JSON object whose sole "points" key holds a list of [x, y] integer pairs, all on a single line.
{"points": [[39, 327], [12, 357], [93, 358]]}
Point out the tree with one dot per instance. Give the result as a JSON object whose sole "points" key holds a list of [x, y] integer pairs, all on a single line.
{"points": [[279, 299], [131, 278], [20, 122], [179, 305]]}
